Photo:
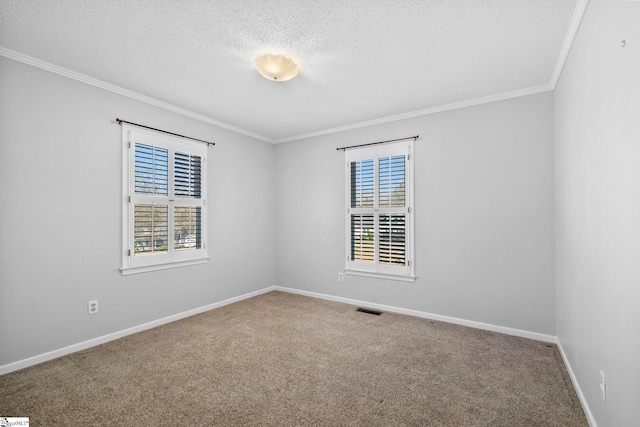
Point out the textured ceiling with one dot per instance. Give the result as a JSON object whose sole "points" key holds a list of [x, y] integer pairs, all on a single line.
{"points": [[360, 60]]}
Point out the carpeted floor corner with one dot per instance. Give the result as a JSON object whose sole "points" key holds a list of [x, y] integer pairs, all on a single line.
{"points": [[287, 360]]}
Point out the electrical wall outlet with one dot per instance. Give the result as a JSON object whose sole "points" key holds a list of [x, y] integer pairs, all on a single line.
{"points": [[603, 385], [341, 276], [92, 307]]}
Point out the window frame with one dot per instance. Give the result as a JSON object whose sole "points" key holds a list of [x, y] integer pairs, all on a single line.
{"points": [[131, 264], [374, 269]]}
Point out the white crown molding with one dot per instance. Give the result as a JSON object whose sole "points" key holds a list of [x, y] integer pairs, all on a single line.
{"points": [[568, 41], [26, 59], [423, 112], [576, 19]]}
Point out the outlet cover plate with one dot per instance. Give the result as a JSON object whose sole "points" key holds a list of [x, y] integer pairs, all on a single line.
{"points": [[92, 307]]}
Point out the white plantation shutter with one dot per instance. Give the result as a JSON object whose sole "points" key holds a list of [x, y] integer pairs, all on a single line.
{"points": [[188, 228], [391, 180], [379, 218], [393, 244], [151, 170], [187, 175], [362, 238], [187, 217], [151, 178], [165, 211], [362, 184], [392, 224], [151, 225]]}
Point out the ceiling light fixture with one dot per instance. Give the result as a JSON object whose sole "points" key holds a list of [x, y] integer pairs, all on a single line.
{"points": [[276, 67]]}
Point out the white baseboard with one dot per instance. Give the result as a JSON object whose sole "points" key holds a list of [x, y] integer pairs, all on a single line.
{"points": [[478, 325], [576, 386], [25, 363], [20, 364]]}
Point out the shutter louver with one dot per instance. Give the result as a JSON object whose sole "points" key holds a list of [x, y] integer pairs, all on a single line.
{"points": [[150, 229], [187, 228], [187, 175], [392, 246], [362, 238], [151, 170], [362, 184], [391, 181]]}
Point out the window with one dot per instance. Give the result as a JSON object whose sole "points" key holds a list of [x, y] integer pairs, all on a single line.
{"points": [[164, 213], [379, 219]]}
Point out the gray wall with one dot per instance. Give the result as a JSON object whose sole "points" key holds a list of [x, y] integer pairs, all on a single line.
{"points": [[60, 175], [484, 215], [598, 209]]}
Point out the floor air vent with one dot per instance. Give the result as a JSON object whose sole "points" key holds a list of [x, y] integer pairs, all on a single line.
{"points": [[369, 311]]}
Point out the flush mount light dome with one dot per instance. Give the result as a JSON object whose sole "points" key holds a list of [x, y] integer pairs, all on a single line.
{"points": [[276, 67]]}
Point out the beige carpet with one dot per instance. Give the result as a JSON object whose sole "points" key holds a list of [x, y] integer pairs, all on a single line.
{"points": [[287, 360]]}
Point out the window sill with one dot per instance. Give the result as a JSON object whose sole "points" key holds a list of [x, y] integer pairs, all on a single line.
{"points": [[135, 270], [380, 275]]}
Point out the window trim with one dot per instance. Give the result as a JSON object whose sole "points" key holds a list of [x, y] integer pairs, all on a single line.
{"points": [[126, 271], [171, 259], [398, 277], [404, 273]]}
